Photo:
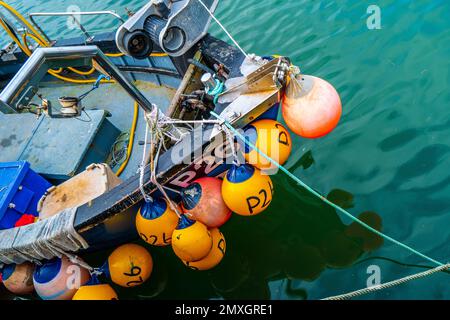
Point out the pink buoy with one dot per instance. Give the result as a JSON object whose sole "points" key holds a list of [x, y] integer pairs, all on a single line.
{"points": [[18, 278], [59, 279], [203, 201], [311, 106]]}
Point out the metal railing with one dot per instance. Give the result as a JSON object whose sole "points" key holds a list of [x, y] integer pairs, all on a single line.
{"points": [[74, 16], [24, 85]]}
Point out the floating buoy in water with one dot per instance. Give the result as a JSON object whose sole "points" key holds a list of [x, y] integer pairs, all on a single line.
{"points": [[155, 222], [191, 240], [311, 106], [272, 138], [203, 201], [246, 190], [18, 278], [99, 291], [129, 265], [59, 279], [214, 256]]}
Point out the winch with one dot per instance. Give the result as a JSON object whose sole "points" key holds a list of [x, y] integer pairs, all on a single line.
{"points": [[166, 24]]}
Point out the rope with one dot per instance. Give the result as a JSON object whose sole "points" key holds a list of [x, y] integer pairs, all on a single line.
{"points": [[154, 180], [157, 134], [43, 240], [321, 197], [224, 29], [408, 265], [389, 284], [147, 198]]}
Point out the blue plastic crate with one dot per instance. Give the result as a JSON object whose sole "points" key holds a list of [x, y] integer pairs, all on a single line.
{"points": [[20, 191]]}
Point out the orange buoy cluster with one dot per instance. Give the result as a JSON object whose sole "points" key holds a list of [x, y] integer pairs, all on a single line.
{"points": [[214, 256], [197, 246], [129, 265], [62, 279], [207, 203]]}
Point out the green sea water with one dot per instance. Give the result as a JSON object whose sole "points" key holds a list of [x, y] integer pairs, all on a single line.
{"points": [[387, 162]]}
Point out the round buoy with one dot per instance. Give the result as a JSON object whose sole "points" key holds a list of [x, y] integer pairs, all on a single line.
{"points": [[155, 222], [214, 256], [311, 106], [203, 201], [129, 265], [191, 240], [96, 292], [59, 279], [246, 191], [18, 278], [270, 137]]}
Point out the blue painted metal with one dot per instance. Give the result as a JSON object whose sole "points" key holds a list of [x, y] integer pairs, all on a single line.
{"points": [[271, 114], [20, 191], [61, 148]]}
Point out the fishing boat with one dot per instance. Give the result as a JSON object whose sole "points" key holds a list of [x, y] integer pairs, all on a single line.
{"points": [[77, 163]]}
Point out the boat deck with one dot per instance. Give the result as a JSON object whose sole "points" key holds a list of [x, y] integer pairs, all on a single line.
{"points": [[108, 97]]}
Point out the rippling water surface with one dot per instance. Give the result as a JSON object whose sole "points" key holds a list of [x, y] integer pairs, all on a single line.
{"points": [[387, 161]]}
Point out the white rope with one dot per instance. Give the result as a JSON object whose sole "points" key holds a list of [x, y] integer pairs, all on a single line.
{"points": [[155, 124], [230, 137], [389, 284], [42, 240], [147, 197], [154, 180], [224, 29], [174, 121]]}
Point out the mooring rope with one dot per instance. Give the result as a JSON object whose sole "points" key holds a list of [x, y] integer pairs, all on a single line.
{"points": [[390, 284], [224, 29], [321, 197], [147, 198]]}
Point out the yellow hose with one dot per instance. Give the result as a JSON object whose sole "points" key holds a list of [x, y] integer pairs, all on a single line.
{"points": [[35, 35], [119, 54], [15, 13], [43, 43], [131, 141]]}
